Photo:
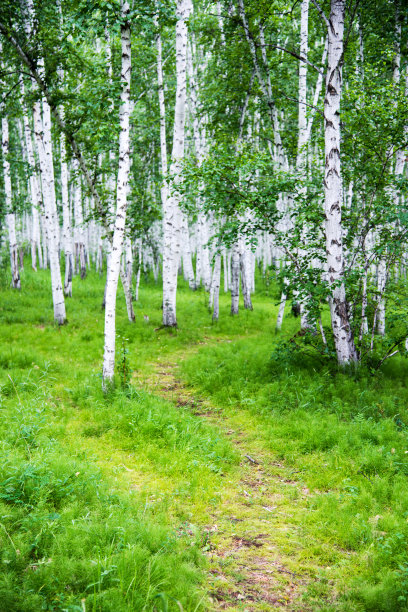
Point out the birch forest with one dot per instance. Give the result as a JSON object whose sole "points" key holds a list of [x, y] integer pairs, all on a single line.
{"points": [[203, 305]]}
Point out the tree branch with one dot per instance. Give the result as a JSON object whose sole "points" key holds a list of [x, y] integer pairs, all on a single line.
{"points": [[297, 56], [322, 13]]}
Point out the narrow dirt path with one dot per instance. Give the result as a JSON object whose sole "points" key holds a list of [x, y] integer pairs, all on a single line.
{"points": [[254, 541]]}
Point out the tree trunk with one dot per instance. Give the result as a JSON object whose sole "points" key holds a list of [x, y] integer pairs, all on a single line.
{"points": [[235, 280], [79, 234], [301, 160], [187, 261], [342, 332], [139, 270], [42, 129], [171, 210], [66, 221], [36, 196], [246, 293], [381, 284], [128, 262], [121, 201], [226, 269], [128, 295], [10, 217], [216, 287], [281, 311]]}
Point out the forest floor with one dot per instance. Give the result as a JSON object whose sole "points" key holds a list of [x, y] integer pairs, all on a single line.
{"points": [[225, 472], [250, 566]]}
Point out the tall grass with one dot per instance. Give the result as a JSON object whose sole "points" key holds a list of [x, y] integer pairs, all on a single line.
{"points": [[95, 490]]}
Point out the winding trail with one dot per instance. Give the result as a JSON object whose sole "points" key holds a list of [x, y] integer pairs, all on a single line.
{"points": [[254, 543]]}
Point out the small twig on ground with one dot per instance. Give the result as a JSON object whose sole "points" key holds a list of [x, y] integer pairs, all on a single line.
{"points": [[252, 460]]}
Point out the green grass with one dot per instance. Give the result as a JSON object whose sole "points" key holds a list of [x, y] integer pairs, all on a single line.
{"points": [[104, 498], [347, 437], [99, 495]]}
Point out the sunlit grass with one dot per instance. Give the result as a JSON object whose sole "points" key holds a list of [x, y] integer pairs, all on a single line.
{"points": [[95, 489], [347, 439]]}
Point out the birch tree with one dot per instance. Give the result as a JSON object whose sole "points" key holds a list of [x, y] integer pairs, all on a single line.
{"points": [[35, 190], [333, 187], [66, 221], [121, 199], [171, 210], [10, 216]]}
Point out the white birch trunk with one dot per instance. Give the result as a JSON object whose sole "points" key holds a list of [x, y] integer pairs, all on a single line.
{"points": [[10, 217], [342, 332], [66, 221], [171, 210], [216, 287], [128, 261], [301, 161], [381, 284], [245, 281], [226, 271], [187, 260], [281, 310], [36, 195], [44, 238], [79, 233], [42, 130], [204, 254], [302, 118], [121, 201], [139, 270], [128, 295], [28, 226], [235, 262]]}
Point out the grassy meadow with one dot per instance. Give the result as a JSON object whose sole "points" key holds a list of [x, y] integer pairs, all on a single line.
{"points": [[117, 502]]}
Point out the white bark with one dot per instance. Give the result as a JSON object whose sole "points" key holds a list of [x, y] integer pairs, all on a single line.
{"points": [[121, 201], [301, 161], [187, 260], [226, 269], [216, 287], [42, 130], [36, 195], [128, 295], [79, 233], [199, 146], [245, 279], [139, 270], [10, 217], [171, 210], [302, 119], [281, 310], [44, 238], [235, 262], [343, 337], [66, 221], [203, 237], [128, 261]]}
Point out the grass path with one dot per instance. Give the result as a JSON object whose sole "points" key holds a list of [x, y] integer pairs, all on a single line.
{"points": [[254, 547]]}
